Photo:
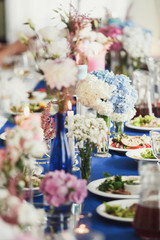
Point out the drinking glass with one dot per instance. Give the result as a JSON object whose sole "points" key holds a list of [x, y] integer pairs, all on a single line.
{"points": [[155, 142]]}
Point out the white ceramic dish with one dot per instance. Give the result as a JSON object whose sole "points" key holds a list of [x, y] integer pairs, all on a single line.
{"points": [[93, 187], [136, 155], [117, 149], [129, 125], [123, 203]]}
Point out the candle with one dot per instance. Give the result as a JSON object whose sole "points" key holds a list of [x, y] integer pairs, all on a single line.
{"points": [[82, 68], [149, 102], [82, 229], [70, 114]]}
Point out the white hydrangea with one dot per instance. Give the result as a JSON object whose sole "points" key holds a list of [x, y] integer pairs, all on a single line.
{"points": [[94, 93], [123, 117], [88, 128], [58, 48], [137, 42]]}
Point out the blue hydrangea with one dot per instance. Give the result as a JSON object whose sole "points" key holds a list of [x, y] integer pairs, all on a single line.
{"points": [[124, 96], [128, 23]]}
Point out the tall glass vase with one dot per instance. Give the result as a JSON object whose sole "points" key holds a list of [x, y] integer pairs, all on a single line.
{"points": [[60, 154]]}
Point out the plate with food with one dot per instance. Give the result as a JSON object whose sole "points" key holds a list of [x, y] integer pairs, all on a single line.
{"points": [[142, 154], [124, 143], [115, 186], [118, 210], [146, 123]]}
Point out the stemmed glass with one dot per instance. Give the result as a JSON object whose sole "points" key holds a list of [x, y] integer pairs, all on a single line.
{"points": [[155, 143]]}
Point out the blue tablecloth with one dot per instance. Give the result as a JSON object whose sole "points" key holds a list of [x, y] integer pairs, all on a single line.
{"points": [[119, 164]]}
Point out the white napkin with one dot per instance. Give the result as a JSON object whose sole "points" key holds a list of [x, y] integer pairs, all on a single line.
{"points": [[3, 120]]}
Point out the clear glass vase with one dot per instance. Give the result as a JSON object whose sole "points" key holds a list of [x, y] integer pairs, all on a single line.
{"points": [[118, 128], [60, 153], [59, 219], [85, 154]]}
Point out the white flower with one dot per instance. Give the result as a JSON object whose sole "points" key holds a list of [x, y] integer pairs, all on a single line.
{"points": [[60, 73], [137, 42], [123, 117], [51, 33], [94, 93], [58, 48], [28, 215], [88, 128]]}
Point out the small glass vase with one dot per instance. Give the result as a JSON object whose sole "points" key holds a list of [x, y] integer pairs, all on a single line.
{"points": [[85, 154], [118, 128], [58, 218], [60, 157], [103, 150]]}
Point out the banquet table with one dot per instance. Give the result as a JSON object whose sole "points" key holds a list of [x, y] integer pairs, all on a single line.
{"points": [[118, 164]]}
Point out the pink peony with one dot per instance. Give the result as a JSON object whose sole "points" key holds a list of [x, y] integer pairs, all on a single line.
{"points": [[60, 187]]}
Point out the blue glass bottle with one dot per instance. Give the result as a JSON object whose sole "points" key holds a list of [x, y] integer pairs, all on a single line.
{"points": [[60, 153]]}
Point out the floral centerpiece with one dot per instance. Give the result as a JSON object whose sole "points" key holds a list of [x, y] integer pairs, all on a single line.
{"points": [[94, 93], [19, 212], [60, 74], [24, 143], [123, 98], [89, 132], [137, 42], [60, 190]]}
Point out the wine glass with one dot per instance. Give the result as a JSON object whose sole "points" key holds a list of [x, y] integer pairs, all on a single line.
{"points": [[155, 143]]}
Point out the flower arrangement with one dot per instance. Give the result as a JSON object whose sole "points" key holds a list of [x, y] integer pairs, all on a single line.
{"points": [[89, 132], [137, 42], [95, 94], [124, 96], [24, 142], [94, 43], [18, 212], [60, 74], [59, 188], [114, 33], [132, 43]]}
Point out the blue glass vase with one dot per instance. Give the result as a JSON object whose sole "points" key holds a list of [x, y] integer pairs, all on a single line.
{"points": [[60, 157]]}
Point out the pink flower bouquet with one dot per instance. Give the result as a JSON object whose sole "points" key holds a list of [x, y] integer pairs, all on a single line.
{"points": [[60, 187]]}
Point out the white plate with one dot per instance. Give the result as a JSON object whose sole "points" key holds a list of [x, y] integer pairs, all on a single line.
{"points": [[136, 155], [3, 136], [129, 125], [123, 203], [93, 187], [118, 149]]}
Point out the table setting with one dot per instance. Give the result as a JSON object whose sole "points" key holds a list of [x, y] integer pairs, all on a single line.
{"points": [[76, 162]]}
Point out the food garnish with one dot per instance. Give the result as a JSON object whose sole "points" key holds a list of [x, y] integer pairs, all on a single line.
{"points": [[117, 210], [148, 154], [146, 121], [115, 184], [131, 142]]}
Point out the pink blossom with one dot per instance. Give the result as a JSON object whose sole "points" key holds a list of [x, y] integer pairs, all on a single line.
{"points": [[2, 156], [60, 187], [47, 123], [113, 32]]}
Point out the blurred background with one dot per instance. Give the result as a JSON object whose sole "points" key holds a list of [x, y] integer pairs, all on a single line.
{"points": [[13, 13]]}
